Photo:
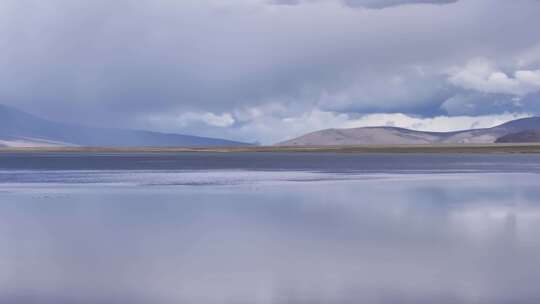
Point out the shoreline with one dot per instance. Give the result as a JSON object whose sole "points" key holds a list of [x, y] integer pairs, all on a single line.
{"points": [[453, 148]]}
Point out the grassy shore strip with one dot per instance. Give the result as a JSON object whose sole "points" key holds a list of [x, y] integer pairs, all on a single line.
{"points": [[455, 148]]}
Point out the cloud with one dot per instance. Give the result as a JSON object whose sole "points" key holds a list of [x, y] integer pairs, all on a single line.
{"points": [[529, 57], [217, 68], [389, 3], [478, 103], [190, 118], [414, 89], [483, 76], [285, 2], [372, 4]]}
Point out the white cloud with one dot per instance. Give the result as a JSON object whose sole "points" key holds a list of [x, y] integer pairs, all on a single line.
{"points": [[482, 75], [435, 124], [211, 119], [189, 118]]}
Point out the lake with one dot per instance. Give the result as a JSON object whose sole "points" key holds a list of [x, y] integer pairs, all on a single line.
{"points": [[269, 228]]}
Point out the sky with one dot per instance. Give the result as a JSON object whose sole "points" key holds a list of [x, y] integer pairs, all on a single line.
{"points": [[270, 70]]}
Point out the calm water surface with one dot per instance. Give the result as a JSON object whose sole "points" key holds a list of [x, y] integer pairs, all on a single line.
{"points": [[269, 228]]}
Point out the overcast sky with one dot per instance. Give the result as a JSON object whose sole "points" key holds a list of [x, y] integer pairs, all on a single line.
{"points": [[269, 70]]}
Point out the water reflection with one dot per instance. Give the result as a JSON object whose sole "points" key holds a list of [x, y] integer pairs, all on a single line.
{"points": [[470, 238]]}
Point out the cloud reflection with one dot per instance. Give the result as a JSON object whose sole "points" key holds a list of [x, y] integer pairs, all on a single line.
{"points": [[444, 239]]}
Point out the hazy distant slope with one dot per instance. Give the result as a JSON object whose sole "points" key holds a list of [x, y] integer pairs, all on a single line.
{"points": [[520, 137], [523, 124], [391, 135], [18, 128]]}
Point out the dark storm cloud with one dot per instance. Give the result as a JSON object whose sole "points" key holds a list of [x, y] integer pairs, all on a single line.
{"points": [[238, 63]]}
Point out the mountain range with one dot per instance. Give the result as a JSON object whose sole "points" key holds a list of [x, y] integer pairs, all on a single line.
{"points": [[512, 131], [20, 129]]}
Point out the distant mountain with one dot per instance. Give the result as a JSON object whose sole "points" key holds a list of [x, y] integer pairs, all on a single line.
{"points": [[521, 137], [20, 129], [393, 136]]}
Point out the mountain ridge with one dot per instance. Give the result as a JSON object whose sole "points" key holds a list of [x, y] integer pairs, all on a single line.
{"points": [[386, 135], [21, 129]]}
